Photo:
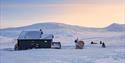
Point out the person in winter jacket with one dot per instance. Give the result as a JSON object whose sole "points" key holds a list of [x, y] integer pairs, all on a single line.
{"points": [[103, 45]]}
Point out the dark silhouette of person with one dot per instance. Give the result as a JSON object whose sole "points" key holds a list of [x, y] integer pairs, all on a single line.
{"points": [[41, 31], [100, 42], [103, 45]]}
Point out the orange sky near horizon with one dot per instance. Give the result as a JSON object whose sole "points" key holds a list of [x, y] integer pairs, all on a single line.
{"points": [[89, 15]]}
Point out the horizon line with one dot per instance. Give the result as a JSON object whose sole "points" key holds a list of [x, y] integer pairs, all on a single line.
{"points": [[60, 23]]}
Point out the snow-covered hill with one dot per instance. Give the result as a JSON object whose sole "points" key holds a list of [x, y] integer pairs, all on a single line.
{"points": [[61, 30], [51, 25], [113, 36], [116, 27], [60, 26]]}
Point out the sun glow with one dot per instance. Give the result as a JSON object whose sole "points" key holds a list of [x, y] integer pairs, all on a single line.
{"points": [[97, 14]]}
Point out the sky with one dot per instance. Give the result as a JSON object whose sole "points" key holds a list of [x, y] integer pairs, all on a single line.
{"points": [[89, 13]]}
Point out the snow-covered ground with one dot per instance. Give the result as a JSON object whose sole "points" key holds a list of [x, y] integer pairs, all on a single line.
{"points": [[64, 55], [113, 53]]}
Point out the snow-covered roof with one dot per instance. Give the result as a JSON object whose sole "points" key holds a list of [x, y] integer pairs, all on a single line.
{"points": [[34, 35]]}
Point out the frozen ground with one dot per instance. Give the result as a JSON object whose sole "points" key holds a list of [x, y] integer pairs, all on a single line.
{"points": [[113, 38], [87, 55], [113, 53]]}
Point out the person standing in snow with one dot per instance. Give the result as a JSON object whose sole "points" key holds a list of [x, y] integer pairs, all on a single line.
{"points": [[41, 31], [100, 42], [103, 45]]}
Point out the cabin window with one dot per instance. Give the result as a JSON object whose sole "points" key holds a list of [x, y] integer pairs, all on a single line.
{"points": [[45, 41]]}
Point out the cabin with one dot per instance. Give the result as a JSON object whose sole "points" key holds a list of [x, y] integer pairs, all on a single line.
{"points": [[33, 39]]}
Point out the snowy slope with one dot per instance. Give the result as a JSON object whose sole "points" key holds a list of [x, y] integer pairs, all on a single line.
{"points": [[114, 39], [88, 55], [59, 28], [116, 27]]}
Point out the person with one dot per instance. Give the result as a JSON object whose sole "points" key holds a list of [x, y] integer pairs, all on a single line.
{"points": [[41, 31], [103, 45], [100, 42]]}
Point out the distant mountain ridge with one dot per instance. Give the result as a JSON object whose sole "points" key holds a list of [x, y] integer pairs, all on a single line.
{"points": [[113, 27], [116, 27]]}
